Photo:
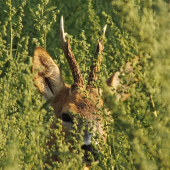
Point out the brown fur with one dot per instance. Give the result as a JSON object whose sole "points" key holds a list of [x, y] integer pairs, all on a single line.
{"points": [[67, 99]]}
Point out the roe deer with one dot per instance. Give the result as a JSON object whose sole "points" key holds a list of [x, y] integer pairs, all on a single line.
{"points": [[67, 99]]}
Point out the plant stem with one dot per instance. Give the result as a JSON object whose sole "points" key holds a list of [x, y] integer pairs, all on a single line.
{"points": [[11, 31]]}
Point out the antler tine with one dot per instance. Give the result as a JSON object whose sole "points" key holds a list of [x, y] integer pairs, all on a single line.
{"points": [[63, 34], [78, 79], [104, 30], [97, 59]]}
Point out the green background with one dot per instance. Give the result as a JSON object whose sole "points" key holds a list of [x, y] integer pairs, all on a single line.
{"points": [[138, 129]]}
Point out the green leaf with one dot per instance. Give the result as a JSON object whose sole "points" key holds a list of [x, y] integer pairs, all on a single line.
{"points": [[51, 8], [46, 104]]}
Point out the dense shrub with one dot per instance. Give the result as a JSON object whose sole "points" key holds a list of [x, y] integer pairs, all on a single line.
{"points": [[138, 129]]}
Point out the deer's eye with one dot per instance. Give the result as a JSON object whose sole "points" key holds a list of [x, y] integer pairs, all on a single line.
{"points": [[66, 118]]}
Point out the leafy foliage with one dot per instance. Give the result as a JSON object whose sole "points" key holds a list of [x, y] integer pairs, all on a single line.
{"points": [[138, 129]]}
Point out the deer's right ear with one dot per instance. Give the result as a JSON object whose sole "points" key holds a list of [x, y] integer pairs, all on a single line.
{"points": [[47, 77]]}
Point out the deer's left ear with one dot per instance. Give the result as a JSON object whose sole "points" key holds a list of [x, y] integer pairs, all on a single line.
{"points": [[114, 81]]}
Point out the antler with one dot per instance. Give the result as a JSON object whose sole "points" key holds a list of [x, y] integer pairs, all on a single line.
{"points": [[78, 79], [97, 60]]}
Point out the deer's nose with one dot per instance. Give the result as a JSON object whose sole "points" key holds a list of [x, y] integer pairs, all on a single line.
{"points": [[87, 148]]}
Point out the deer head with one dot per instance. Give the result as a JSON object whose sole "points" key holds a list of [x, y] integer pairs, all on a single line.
{"points": [[66, 99]]}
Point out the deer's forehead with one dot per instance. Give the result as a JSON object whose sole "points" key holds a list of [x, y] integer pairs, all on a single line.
{"points": [[76, 102], [80, 103]]}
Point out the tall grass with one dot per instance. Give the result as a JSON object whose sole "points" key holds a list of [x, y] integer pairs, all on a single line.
{"points": [[138, 129]]}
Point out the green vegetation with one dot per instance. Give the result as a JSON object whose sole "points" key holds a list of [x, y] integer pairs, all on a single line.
{"points": [[138, 134]]}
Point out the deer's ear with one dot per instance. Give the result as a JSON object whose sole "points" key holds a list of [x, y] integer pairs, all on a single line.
{"points": [[114, 81], [47, 77]]}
